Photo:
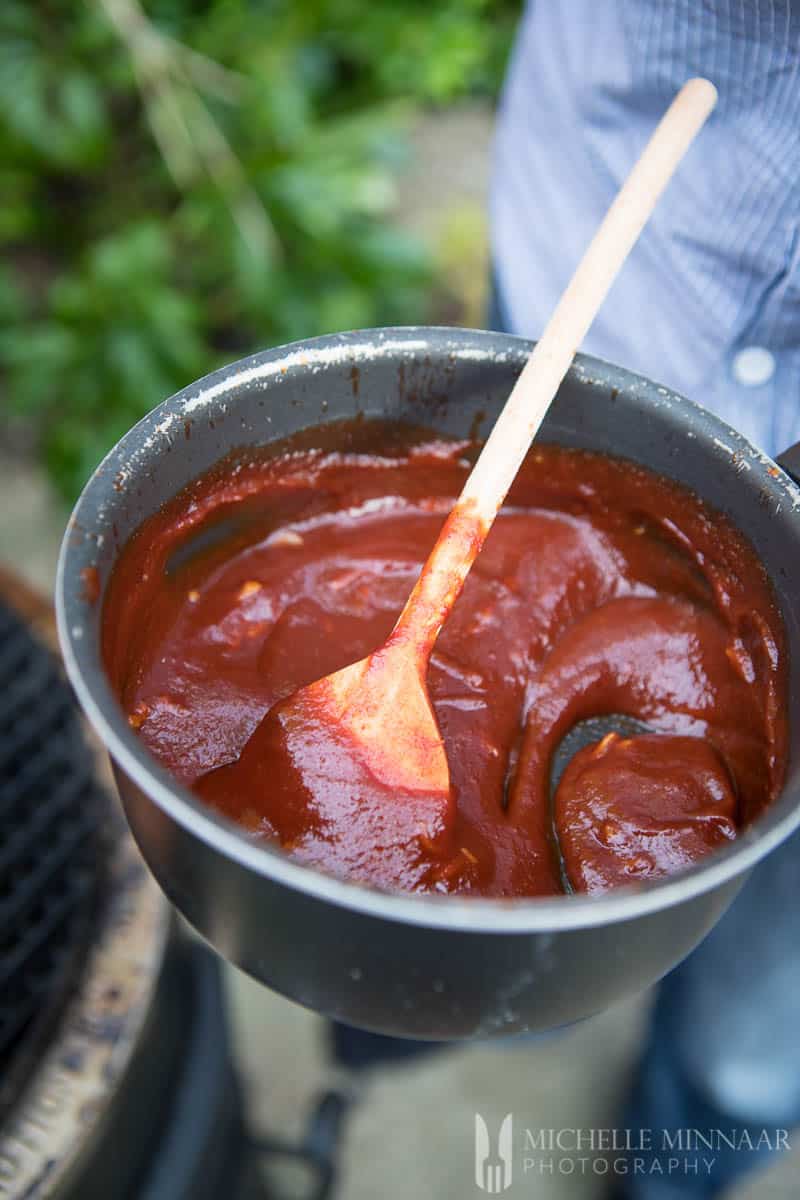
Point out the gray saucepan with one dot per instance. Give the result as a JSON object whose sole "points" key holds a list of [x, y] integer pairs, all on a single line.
{"points": [[418, 966]]}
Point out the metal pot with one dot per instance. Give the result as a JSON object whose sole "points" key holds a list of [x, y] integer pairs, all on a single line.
{"points": [[423, 967]]}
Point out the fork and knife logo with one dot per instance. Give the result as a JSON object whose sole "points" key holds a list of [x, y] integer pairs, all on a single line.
{"points": [[493, 1170]]}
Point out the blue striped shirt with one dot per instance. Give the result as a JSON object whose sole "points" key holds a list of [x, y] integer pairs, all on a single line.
{"points": [[709, 301]]}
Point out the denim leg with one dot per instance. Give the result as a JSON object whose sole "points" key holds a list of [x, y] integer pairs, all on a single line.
{"points": [[724, 1046]]}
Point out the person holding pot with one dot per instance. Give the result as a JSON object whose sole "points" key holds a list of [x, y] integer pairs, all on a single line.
{"points": [[709, 304]]}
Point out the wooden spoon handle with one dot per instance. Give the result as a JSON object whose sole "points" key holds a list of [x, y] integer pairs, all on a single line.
{"points": [[542, 375], [491, 477]]}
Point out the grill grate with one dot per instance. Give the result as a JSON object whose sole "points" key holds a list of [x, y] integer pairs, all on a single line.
{"points": [[51, 853]]}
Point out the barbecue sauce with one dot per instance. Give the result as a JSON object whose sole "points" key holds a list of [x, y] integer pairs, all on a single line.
{"points": [[601, 588]]}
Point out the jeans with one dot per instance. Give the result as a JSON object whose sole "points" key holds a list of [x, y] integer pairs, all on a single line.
{"points": [[723, 1048]]}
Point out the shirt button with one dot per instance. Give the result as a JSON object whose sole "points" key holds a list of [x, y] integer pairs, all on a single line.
{"points": [[753, 366]]}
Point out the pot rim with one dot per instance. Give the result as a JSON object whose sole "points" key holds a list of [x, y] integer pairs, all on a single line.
{"points": [[525, 915]]}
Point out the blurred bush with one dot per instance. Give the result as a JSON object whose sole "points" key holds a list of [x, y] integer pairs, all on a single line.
{"points": [[188, 180]]}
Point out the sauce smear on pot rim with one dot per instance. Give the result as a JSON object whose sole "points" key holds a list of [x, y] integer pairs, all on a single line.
{"points": [[602, 588]]}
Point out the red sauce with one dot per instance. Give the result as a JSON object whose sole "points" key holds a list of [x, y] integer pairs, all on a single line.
{"points": [[601, 589]]}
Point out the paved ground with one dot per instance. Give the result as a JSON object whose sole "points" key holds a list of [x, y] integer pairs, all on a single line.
{"points": [[412, 1136]]}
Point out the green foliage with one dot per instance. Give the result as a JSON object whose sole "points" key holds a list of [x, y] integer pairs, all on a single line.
{"points": [[188, 181]]}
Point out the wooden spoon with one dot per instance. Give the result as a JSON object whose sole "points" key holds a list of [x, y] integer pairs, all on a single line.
{"points": [[370, 729]]}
